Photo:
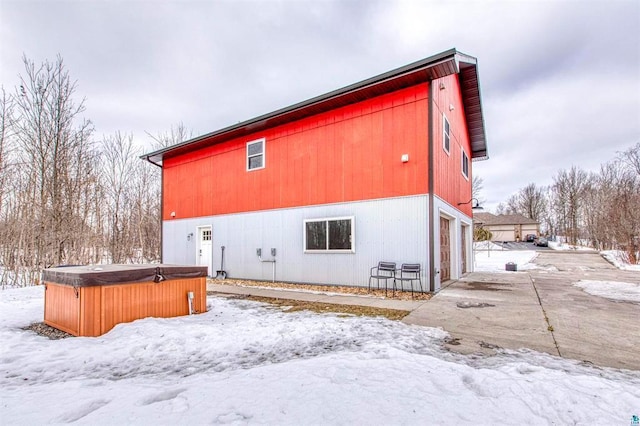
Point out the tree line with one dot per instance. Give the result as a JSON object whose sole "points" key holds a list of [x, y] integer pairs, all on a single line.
{"points": [[67, 197], [601, 209]]}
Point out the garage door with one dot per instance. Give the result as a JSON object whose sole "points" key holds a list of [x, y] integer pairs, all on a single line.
{"points": [[445, 250]]}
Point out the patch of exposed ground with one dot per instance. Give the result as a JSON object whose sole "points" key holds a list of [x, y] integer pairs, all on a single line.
{"points": [[45, 330], [288, 305], [487, 286], [352, 291]]}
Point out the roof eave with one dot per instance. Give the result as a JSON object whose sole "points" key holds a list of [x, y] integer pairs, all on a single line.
{"points": [[440, 65]]}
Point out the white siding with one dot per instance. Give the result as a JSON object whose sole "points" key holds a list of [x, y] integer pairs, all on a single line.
{"points": [[392, 230]]}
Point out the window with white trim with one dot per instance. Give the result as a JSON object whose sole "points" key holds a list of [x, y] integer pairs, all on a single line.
{"points": [[329, 235], [446, 134], [465, 165], [255, 154]]}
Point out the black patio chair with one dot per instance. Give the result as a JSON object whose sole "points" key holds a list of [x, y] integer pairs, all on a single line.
{"points": [[384, 271], [409, 272]]}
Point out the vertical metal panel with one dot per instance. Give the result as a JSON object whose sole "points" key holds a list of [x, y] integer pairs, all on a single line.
{"points": [[449, 183], [62, 307], [351, 153], [393, 229]]}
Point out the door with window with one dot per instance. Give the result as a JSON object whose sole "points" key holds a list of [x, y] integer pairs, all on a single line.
{"points": [[204, 246]]}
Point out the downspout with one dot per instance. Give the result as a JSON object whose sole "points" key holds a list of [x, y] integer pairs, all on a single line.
{"points": [[161, 204], [432, 257]]}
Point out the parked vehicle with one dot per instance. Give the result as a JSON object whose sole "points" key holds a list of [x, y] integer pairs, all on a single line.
{"points": [[530, 238], [542, 242]]}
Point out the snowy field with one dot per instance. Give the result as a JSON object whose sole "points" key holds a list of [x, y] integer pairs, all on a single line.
{"points": [[243, 362], [614, 290], [495, 260], [554, 245]]}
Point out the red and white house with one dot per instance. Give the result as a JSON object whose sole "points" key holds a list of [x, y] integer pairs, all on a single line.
{"points": [[376, 171]]}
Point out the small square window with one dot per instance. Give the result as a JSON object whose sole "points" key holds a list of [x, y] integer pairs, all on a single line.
{"points": [[465, 165], [255, 154], [446, 134]]}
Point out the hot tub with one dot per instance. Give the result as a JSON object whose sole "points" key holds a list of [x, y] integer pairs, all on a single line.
{"points": [[91, 300]]}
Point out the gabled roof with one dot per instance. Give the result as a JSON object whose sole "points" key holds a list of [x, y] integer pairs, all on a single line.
{"points": [[434, 67], [503, 219]]}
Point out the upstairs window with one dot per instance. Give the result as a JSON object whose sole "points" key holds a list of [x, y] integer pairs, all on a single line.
{"points": [[255, 154], [465, 165], [328, 235], [446, 134]]}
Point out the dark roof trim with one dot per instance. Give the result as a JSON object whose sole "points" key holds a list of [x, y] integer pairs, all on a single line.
{"points": [[434, 67]]}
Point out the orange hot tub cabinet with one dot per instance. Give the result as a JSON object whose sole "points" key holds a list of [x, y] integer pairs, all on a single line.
{"points": [[91, 300]]}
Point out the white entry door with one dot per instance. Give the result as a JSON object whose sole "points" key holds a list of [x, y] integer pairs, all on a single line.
{"points": [[203, 254]]}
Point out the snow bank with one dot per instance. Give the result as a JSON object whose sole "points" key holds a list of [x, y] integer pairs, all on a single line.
{"points": [[565, 246], [615, 290], [244, 362], [616, 258]]}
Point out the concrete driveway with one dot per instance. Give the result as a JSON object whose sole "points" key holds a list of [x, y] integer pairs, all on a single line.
{"points": [[541, 310]]}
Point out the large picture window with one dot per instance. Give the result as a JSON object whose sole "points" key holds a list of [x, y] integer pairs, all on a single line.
{"points": [[329, 235], [255, 154]]}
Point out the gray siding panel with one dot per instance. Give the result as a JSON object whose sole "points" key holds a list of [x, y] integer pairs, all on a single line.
{"points": [[392, 229]]}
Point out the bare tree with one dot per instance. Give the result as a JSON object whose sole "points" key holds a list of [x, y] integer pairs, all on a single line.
{"points": [[145, 203], [625, 203], [178, 133], [530, 201], [501, 208], [6, 107], [61, 199], [477, 185], [631, 158], [57, 156], [148, 193], [6, 234], [119, 160], [569, 190]]}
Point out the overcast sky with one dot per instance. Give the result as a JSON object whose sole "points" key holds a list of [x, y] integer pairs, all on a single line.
{"points": [[560, 80]]}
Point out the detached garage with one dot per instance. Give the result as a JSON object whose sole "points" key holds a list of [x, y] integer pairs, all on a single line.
{"points": [[506, 227]]}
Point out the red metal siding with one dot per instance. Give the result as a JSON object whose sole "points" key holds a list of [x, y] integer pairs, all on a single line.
{"points": [[449, 183], [351, 153]]}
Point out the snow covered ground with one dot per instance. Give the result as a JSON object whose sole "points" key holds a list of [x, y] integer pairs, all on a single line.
{"points": [[243, 362], [495, 261], [616, 258], [615, 290], [566, 246]]}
